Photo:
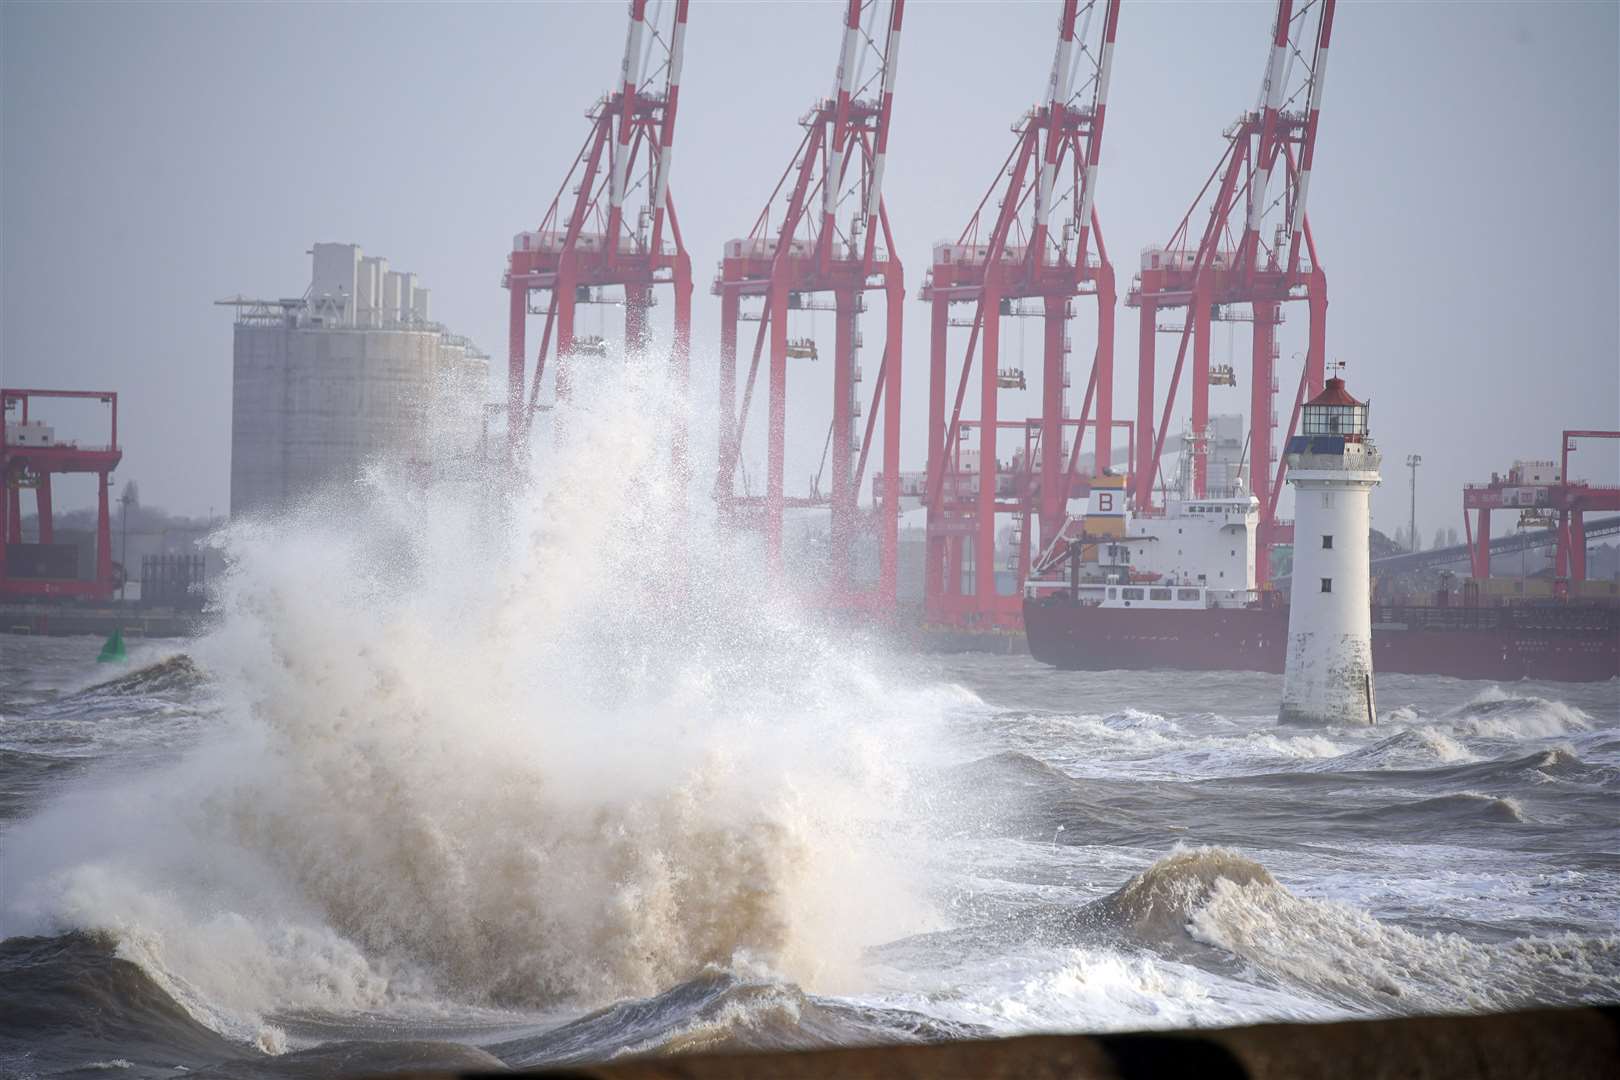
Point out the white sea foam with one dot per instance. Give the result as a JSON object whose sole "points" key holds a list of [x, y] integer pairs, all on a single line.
{"points": [[1442, 747], [1418, 747], [1103, 989], [1150, 745], [1297, 747], [1496, 713], [1346, 955]]}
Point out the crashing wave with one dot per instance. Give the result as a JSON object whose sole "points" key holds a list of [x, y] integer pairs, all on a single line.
{"points": [[1497, 714], [70, 998], [176, 673], [1345, 955], [539, 750], [723, 1010], [1413, 748], [1159, 900]]}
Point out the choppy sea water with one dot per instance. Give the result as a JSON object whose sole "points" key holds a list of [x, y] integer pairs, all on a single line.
{"points": [[1069, 852], [470, 774]]}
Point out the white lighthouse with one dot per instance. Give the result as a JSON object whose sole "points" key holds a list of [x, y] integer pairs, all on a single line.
{"points": [[1333, 465]]}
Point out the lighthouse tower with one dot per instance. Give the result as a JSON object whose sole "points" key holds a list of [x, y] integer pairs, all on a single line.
{"points": [[1333, 465]]}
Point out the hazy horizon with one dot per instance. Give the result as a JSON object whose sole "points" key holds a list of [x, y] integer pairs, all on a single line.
{"points": [[157, 157]]}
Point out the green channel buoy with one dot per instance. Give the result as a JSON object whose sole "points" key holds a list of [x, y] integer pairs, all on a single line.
{"points": [[113, 651]]}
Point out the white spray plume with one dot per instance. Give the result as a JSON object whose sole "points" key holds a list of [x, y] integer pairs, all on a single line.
{"points": [[514, 747]]}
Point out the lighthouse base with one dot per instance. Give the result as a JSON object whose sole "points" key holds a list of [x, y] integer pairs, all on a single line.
{"points": [[1327, 680]]}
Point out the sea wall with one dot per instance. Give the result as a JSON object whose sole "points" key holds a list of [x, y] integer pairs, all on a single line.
{"points": [[1564, 1044]]}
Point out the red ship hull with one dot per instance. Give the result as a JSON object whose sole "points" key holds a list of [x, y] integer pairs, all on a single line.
{"points": [[1560, 644]]}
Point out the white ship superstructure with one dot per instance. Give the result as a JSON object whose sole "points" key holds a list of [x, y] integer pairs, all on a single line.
{"points": [[1195, 553]]}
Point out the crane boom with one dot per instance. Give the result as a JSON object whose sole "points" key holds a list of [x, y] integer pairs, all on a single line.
{"points": [[796, 253], [1021, 260], [585, 238], [1256, 249]]}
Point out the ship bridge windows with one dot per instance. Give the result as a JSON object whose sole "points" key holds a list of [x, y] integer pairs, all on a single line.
{"points": [[1131, 594], [1186, 594], [1158, 594]]}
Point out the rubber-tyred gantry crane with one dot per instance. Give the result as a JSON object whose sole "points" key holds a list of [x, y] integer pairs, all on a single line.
{"points": [[594, 235], [824, 230], [1249, 253], [1558, 497], [1018, 255], [30, 454]]}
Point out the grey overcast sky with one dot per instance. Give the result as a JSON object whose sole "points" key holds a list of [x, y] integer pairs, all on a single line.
{"points": [[156, 157]]}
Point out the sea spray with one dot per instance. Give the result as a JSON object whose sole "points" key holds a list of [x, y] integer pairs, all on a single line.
{"points": [[517, 744], [465, 758]]}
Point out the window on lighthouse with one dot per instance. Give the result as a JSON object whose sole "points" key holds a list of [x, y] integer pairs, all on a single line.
{"points": [[1327, 543], [1327, 584]]}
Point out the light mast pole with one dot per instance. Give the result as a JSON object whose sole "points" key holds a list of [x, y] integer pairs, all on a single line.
{"points": [[123, 543], [1412, 463]]}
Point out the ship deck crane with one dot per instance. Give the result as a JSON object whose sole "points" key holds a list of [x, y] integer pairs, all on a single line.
{"points": [[1010, 252], [1256, 249], [801, 246], [599, 237]]}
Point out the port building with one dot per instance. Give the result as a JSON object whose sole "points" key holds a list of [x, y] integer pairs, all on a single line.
{"points": [[353, 370]]}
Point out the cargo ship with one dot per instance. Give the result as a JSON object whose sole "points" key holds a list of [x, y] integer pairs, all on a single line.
{"points": [[1176, 589]]}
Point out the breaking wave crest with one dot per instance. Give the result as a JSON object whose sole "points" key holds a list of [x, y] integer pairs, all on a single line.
{"points": [[175, 673], [1343, 954], [1415, 747], [726, 1010], [1495, 713], [1158, 902], [1444, 810], [509, 746], [71, 992]]}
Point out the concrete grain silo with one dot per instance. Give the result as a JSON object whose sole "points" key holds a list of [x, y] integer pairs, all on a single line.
{"points": [[351, 372]]}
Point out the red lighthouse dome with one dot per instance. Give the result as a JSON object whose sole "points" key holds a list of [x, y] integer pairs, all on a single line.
{"points": [[1335, 413]]}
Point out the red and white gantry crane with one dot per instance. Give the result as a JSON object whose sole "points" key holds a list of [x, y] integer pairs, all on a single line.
{"points": [[1557, 500], [824, 230], [607, 226], [996, 263], [1256, 249]]}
